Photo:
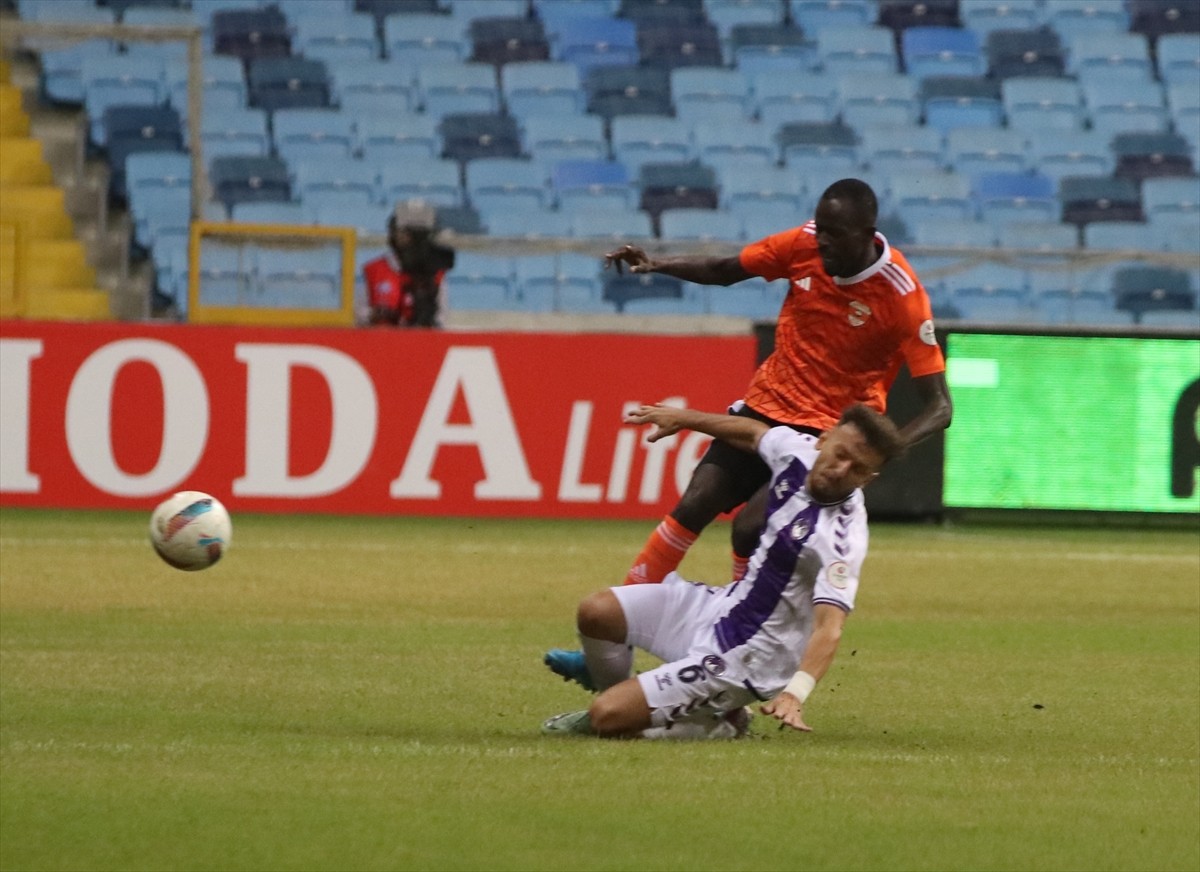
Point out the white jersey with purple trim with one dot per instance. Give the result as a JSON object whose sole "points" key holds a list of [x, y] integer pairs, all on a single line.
{"points": [[809, 554]]}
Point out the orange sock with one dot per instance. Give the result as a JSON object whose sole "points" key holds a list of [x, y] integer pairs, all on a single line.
{"points": [[740, 565], [662, 552]]}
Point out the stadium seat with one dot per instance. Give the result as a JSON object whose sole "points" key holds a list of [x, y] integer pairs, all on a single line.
{"points": [[691, 301], [389, 139], [468, 136], [1037, 236], [1057, 301], [920, 196], [845, 51], [272, 213], [61, 76], [549, 88], [468, 11], [617, 225], [312, 134], [235, 132], [816, 16], [457, 88], [627, 90], [596, 184], [431, 179], [1122, 236], [1140, 289], [976, 150], [954, 233], [1122, 106], [992, 293], [148, 173], [1157, 19], [554, 15], [710, 93], [730, 146], [463, 220], [223, 87], [1183, 105], [1171, 198], [724, 15], [900, 15], [1182, 235], [524, 222], [381, 9], [1099, 198], [227, 275], [985, 16], [160, 213], [1171, 319], [480, 282], [499, 183], [639, 139], [1143, 156], [1122, 53], [569, 279], [113, 80], [898, 149], [424, 39], [941, 51], [501, 40], [669, 46], [1018, 53], [251, 34], [371, 87], [1060, 153], [370, 220], [321, 181], [767, 219], [304, 278], [553, 139], [873, 99], [1179, 57], [703, 225], [960, 101], [287, 83], [331, 35], [589, 43], [748, 299], [1038, 102], [130, 129], [755, 186], [1015, 197], [780, 99], [756, 49], [818, 149], [621, 289], [1070, 18], [689, 185], [242, 179]]}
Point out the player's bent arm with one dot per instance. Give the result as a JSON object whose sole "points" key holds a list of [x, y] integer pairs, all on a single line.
{"points": [[788, 705], [743, 433], [936, 408]]}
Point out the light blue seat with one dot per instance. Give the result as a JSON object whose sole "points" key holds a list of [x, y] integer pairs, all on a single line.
{"points": [[393, 139], [549, 88], [312, 135], [457, 87], [735, 145], [159, 16], [554, 14], [149, 172], [748, 299], [941, 51], [780, 99], [418, 39], [752, 186], [779, 49], [372, 87], [332, 35], [551, 140], [816, 150], [1171, 319], [817, 16], [1120, 52], [961, 101], [160, 211], [725, 15], [614, 224], [974, 150], [984, 16], [498, 183], [592, 42], [1178, 58], [1120, 106], [227, 275], [1171, 198], [1065, 305], [1058, 153], [1182, 237], [234, 132], [898, 149], [111, 80], [224, 84], [703, 225], [524, 222], [1038, 236], [710, 93], [480, 282], [372, 219], [62, 68], [920, 196], [431, 179], [992, 293], [466, 11], [570, 281], [270, 213], [875, 99], [862, 49], [1040, 102], [593, 184], [1007, 197], [1122, 236], [1083, 18], [952, 233], [325, 181], [639, 139], [768, 219], [1183, 104], [301, 278]]}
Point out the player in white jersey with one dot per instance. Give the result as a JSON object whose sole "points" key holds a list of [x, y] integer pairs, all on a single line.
{"points": [[769, 637]]}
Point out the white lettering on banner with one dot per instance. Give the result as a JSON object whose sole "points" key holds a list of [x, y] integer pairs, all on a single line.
{"points": [[492, 431], [656, 459], [15, 358], [570, 488], [89, 417], [355, 416]]}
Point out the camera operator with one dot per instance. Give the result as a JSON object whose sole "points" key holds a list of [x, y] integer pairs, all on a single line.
{"points": [[404, 286]]}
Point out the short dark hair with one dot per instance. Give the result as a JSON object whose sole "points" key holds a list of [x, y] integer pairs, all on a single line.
{"points": [[859, 195], [879, 430]]}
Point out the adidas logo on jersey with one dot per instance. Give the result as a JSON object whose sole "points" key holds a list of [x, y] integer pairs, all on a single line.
{"points": [[804, 284]]}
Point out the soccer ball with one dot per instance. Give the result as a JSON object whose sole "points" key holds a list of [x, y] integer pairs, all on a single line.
{"points": [[190, 530]]}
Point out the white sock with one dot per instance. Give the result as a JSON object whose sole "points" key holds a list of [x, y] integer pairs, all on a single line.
{"points": [[608, 662]]}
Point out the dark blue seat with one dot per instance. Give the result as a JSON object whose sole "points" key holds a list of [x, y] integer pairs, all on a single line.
{"points": [[1099, 198], [620, 289], [470, 135], [237, 179], [251, 33], [679, 45], [502, 41], [288, 83], [628, 90], [1142, 155], [1141, 289], [133, 129], [1012, 53], [902, 14]]}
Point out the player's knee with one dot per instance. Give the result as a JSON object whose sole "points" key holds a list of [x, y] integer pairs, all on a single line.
{"points": [[595, 616], [608, 717]]}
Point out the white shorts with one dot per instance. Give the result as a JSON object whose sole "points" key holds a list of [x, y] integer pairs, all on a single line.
{"points": [[675, 622]]}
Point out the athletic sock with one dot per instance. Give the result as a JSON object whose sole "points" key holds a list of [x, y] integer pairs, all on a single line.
{"points": [[608, 663], [740, 565], [662, 553]]}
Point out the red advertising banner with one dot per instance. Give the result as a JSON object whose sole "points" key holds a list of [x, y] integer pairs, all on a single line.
{"points": [[352, 421]]}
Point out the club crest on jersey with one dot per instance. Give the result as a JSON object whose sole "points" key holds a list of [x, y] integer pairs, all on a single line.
{"points": [[927, 333], [859, 313], [838, 574]]}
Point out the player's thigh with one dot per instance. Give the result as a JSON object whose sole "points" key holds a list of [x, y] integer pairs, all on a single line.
{"points": [[665, 619], [698, 682]]}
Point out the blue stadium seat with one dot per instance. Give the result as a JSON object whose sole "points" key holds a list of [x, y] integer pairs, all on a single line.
{"points": [[727, 14], [756, 49], [754, 186], [287, 83], [1122, 236], [250, 33], [1038, 102], [480, 282], [1172, 319], [493, 184], [710, 93], [595, 42], [920, 196], [898, 149], [363, 88], [768, 219], [1118, 106], [457, 88], [234, 132], [1116, 52], [866, 99], [1099, 198], [780, 99], [423, 39], [369, 220], [1037, 236], [676, 186], [691, 301], [227, 275], [1058, 301], [569, 279], [553, 14], [329, 35], [149, 172], [960, 101], [627, 90], [1161, 18], [621, 290], [618, 225], [468, 136], [390, 139], [1179, 57], [748, 299], [462, 220], [312, 134], [1020, 53], [114, 80], [501, 40], [984, 16], [549, 88], [323, 182], [1015, 197], [224, 85], [816, 16], [554, 139], [955, 233], [992, 293], [1140, 289], [160, 212], [1059, 153], [270, 213], [1142, 156], [303, 278], [61, 75], [1181, 236], [431, 179], [736, 145], [598, 184], [818, 149], [242, 179], [524, 222], [976, 150], [467, 11], [703, 225], [130, 129], [1183, 104], [851, 50], [1171, 198], [1070, 18], [639, 139], [941, 51], [899, 15], [671, 45]]}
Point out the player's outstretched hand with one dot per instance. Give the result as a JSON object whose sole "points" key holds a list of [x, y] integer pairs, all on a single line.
{"points": [[635, 257], [789, 710], [664, 418]]}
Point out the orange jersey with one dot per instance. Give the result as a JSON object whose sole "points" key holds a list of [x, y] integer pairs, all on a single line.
{"points": [[838, 341]]}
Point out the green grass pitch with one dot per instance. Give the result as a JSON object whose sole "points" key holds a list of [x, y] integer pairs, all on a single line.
{"points": [[365, 693]]}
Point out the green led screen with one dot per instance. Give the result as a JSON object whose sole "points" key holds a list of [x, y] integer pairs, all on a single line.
{"points": [[1057, 422]]}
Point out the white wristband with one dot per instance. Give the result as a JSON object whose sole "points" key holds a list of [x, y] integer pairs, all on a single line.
{"points": [[801, 685]]}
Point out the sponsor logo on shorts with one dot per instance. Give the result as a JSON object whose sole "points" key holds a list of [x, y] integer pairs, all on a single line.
{"points": [[838, 574], [714, 664]]}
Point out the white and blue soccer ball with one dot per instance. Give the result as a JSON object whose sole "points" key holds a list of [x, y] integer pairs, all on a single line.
{"points": [[190, 530]]}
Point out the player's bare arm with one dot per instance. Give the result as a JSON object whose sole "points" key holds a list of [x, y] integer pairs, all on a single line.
{"points": [[743, 433], [701, 270], [936, 408], [828, 622]]}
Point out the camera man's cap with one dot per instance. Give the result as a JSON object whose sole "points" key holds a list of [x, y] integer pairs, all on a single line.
{"points": [[414, 213]]}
